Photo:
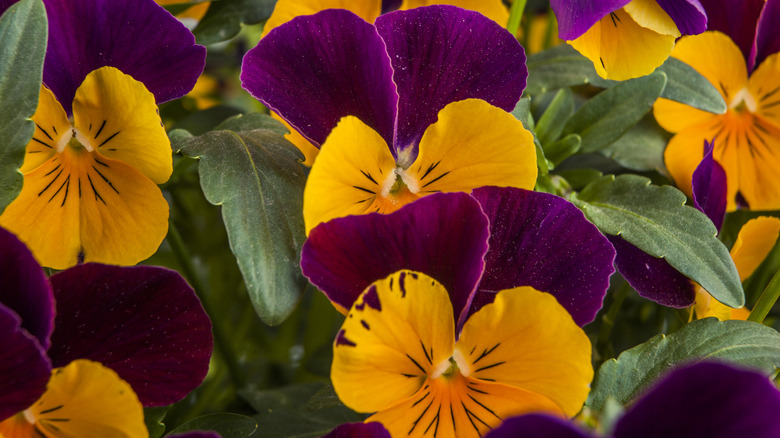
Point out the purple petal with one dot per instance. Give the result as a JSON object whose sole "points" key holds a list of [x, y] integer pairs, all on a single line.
{"points": [[24, 367], [575, 17], [544, 241], [5, 4], [443, 54], [143, 322], [316, 69], [688, 15], [709, 187], [442, 235], [25, 289], [359, 430], [138, 37], [537, 426], [652, 277], [705, 400], [767, 40], [736, 19]]}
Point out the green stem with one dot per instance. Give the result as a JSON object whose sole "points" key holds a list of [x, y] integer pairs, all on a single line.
{"points": [[767, 300], [515, 15], [221, 340], [608, 320]]}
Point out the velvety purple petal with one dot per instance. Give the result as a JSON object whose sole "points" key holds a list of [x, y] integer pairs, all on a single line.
{"points": [[5, 4], [736, 19], [143, 322], [24, 288], [544, 241], [705, 400], [195, 435], [443, 54], [652, 277], [577, 16], [537, 426], [767, 40], [24, 367], [138, 37], [442, 235], [316, 69], [359, 430], [709, 187], [688, 15]]}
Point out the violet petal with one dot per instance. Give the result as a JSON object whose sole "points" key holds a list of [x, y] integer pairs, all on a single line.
{"points": [[736, 19], [143, 322], [316, 69], [688, 15], [138, 37], [709, 187], [24, 367], [544, 241], [767, 39], [442, 54], [5, 4], [359, 430], [705, 400], [652, 277], [575, 17], [25, 289], [537, 426], [443, 235]]}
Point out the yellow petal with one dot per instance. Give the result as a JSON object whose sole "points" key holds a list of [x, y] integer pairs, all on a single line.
{"points": [[493, 9], [715, 56], [398, 332], [764, 86], [650, 15], [686, 149], [459, 407], [622, 49], [86, 399], [117, 116], [527, 340], [51, 129], [474, 144], [707, 306], [305, 146], [17, 427], [286, 10], [353, 168], [754, 241]]}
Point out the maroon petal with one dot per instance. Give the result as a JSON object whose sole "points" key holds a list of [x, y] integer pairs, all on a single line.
{"points": [[442, 235], [767, 39], [138, 37], [709, 187], [24, 367], [143, 322], [442, 54], [736, 19], [688, 15], [544, 241], [705, 400], [25, 289], [537, 426], [652, 277], [575, 17], [359, 430], [314, 70]]}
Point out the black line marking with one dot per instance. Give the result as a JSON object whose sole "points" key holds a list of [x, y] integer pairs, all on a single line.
{"points": [[53, 170], [54, 128], [485, 353], [44, 132], [362, 201], [47, 145], [414, 424], [58, 190], [97, 195], [52, 182], [106, 180], [99, 129], [420, 400], [46, 411], [490, 366], [416, 364], [483, 406], [436, 179], [615, 19], [370, 178], [101, 163], [769, 94], [108, 139], [365, 190], [436, 419], [476, 390], [426, 352], [430, 168]]}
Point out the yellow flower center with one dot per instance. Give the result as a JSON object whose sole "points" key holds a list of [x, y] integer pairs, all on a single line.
{"points": [[743, 101]]}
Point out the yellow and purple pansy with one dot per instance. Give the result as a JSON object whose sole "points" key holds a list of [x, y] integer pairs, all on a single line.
{"points": [[627, 38], [99, 149], [412, 105], [70, 369]]}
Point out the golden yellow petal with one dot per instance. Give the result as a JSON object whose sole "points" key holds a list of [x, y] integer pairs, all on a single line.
{"points": [[52, 130], [305, 146], [286, 10], [493, 9], [650, 15], [764, 86], [686, 150], [754, 241]]}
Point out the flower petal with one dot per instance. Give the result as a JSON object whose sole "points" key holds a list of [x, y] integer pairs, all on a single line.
{"points": [[308, 150], [525, 339], [764, 86], [399, 331], [650, 15], [442, 54], [24, 367], [577, 16], [443, 235], [143, 322], [767, 39], [735, 19], [316, 69], [51, 128], [537, 426], [686, 150], [117, 117], [350, 175], [709, 188], [286, 10], [493, 9], [24, 288], [359, 430], [688, 15], [474, 144], [705, 400], [754, 242], [139, 38], [543, 241]]}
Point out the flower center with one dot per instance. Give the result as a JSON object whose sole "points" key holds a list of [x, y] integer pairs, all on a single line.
{"points": [[76, 141], [743, 101], [454, 366], [397, 190]]}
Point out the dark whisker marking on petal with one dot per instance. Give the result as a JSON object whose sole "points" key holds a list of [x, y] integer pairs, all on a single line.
{"points": [[67, 181], [79, 187], [430, 168], [769, 94], [370, 178], [414, 424], [484, 407], [80, 256], [416, 364], [614, 17], [90, 127], [452, 417], [409, 375], [485, 353], [112, 149], [490, 366], [58, 419], [45, 144], [365, 190], [106, 180], [54, 128], [769, 105], [486, 379], [362, 201], [99, 129], [472, 350], [762, 128], [34, 152], [52, 182], [97, 195], [101, 163], [109, 139], [468, 415], [365, 324], [423, 398], [46, 411], [602, 62], [38, 431], [44, 132], [436, 179], [426, 352], [476, 390], [53, 170], [434, 419], [46, 424], [722, 88]]}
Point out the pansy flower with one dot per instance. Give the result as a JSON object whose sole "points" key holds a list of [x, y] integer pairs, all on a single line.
{"points": [[399, 355], [747, 136], [117, 339], [627, 38], [415, 104], [99, 149], [704, 400]]}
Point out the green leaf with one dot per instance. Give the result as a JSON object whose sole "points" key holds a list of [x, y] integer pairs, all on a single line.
{"points": [[656, 220], [641, 148], [686, 85], [224, 19], [560, 150], [742, 342], [23, 36], [257, 179], [252, 121], [226, 424], [607, 116], [554, 118], [579, 178], [522, 112], [153, 418]]}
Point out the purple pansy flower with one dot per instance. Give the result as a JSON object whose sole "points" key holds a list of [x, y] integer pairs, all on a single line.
{"points": [[359, 430], [704, 400], [474, 245]]}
